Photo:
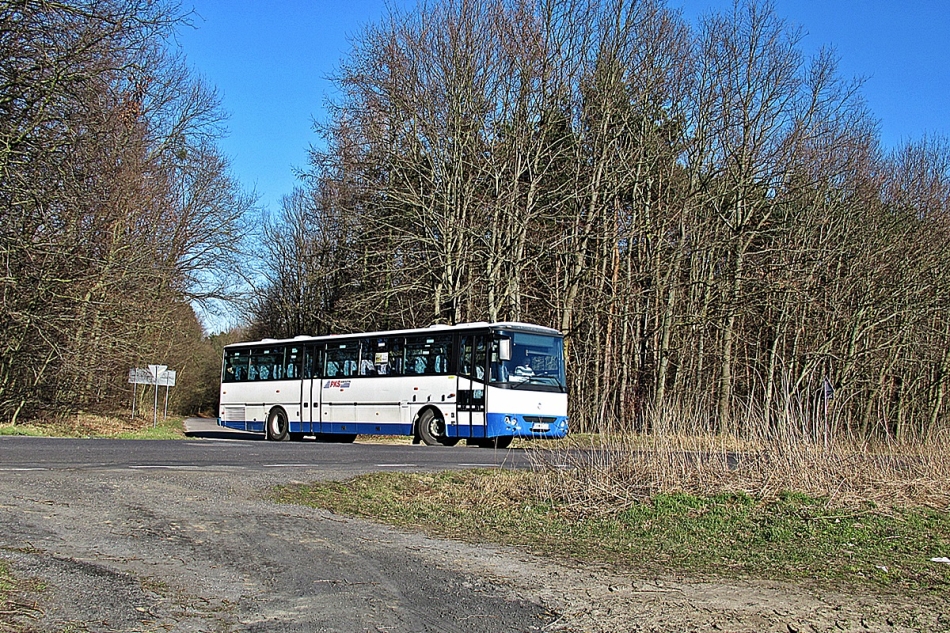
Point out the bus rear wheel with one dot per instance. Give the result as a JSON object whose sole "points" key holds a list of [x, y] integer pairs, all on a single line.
{"points": [[277, 426]]}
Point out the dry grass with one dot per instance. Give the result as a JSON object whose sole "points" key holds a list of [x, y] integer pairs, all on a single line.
{"points": [[17, 610], [629, 469]]}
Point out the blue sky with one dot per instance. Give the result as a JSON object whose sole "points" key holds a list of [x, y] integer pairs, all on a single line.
{"points": [[270, 63]]}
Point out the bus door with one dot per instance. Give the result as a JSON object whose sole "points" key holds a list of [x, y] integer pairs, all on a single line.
{"points": [[473, 372], [339, 396], [310, 389]]}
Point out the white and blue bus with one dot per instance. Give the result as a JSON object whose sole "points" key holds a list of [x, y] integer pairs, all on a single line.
{"points": [[486, 383]]}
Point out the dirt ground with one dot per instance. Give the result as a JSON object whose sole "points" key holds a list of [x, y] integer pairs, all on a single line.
{"points": [[184, 550]]}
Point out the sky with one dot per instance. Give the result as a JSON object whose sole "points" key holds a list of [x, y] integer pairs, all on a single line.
{"points": [[270, 63]]}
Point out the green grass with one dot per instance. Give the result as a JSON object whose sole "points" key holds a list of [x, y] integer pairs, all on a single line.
{"points": [[19, 429], [6, 581], [87, 426], [793, 536], [170, 429]]}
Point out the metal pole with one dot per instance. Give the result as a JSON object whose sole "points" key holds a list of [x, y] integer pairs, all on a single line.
{"points": [[155, 407], [165, 414], [135, 387]]}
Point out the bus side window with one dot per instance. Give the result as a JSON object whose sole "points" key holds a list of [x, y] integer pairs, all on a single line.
{"points": [[443, 358], [394, 356], [465, 356], [382, 353], [343, 359], [428, 355], [235, 366], [479, 357], [309, 362], [418, 365]]}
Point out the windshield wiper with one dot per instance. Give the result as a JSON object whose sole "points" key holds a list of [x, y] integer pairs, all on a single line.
{"points": [[545, 381]]}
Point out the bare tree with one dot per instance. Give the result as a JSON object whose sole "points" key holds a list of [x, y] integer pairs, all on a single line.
{"points": [[705, 213], [116, 205]]}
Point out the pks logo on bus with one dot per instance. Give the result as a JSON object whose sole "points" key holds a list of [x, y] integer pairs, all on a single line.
{"points": [[333, 384]]}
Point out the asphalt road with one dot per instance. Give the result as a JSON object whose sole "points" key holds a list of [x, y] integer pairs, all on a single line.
{"points": [[213, 447], [180, 536]]}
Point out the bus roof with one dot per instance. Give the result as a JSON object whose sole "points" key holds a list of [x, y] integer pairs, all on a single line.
{"points": [[478, 325]]}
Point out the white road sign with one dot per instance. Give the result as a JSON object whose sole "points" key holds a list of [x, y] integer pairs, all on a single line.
{"points": [[141, 376]]}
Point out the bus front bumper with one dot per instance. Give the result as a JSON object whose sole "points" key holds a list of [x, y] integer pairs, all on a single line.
{"points": [[526, 425]]}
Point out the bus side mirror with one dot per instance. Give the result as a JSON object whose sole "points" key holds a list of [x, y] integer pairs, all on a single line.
{"points": [[504, 349]]}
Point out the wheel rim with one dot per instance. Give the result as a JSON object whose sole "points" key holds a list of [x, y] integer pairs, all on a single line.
{"points": [[430, 428]]}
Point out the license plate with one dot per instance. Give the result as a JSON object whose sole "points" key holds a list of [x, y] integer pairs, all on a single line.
{"points": [[540, 426]]}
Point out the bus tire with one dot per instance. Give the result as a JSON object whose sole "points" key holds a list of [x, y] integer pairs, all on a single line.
{"points": [[502, 442], [430, 428], [277, 425]]}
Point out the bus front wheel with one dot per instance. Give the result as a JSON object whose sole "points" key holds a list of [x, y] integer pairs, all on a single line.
{"points": [[277, 426], [503, 441]]}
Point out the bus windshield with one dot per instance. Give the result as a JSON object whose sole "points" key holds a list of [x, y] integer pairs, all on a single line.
{"points": [[536, 362]]}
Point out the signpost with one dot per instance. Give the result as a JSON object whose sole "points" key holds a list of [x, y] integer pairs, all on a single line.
{"points": [[158, 376]]}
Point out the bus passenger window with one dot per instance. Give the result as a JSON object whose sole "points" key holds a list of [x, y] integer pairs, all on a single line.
{"points": [[465, 358], [428, 355], [235, 366], [418, 365], [309, 363], [343, 360], [291, 368]]}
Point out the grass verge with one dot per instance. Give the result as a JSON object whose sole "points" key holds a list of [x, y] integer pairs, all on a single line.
{"points": [[789, 536], [96, 425]]}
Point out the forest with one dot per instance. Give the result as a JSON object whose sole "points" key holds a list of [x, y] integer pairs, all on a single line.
{"points": [[704, 211], [118, 211]]}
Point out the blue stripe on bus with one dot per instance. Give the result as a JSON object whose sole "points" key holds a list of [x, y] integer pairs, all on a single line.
{"points": [[243, 425], [498, 424]]}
